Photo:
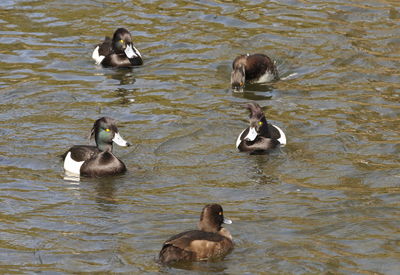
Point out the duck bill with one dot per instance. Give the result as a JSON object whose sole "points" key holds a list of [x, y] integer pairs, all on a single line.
{"points": [[238, 89], [251, 136], [120, 141], [131, 51], [227, 221]]}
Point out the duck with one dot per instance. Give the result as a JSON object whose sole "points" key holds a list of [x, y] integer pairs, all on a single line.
{"points": [[118, 52], [260, 136], [210, 242], [252, 68], [97, 161]]}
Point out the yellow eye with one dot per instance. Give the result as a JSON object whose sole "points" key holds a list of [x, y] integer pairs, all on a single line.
{"points": [[220, 213], [107, 130], [260, 123], [122, 41], [241, 83]]}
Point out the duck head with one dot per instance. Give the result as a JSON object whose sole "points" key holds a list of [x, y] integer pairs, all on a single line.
{"points": [[122, 43], [238, 78], [105, 132], [238, 75], [258, 122], [212, 218]]}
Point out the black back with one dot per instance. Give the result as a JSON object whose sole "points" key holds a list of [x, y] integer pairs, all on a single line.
{"points": [[82, 152]]}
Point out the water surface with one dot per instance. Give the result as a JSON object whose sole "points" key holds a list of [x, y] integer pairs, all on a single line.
{"points": [[327, 203]]}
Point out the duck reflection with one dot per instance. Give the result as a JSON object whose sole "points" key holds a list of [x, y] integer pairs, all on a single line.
{"points": [[124, 96], [125, 76], [256, 92], [208, 267], [105, 193]]}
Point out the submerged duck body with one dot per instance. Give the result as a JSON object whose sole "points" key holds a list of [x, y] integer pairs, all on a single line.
{"points": [[255, 68], [260, 136], [211, 241], [117, 52], [97, 161]]}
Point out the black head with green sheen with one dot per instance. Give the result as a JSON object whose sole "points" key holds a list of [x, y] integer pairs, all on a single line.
{"points": [[105, 132]]}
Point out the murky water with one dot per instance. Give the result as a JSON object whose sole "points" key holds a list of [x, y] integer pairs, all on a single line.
{"points": [[326, 203]]}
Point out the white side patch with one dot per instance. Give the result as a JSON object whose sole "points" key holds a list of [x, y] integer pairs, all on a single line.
{"points": [[96, 56], [267, 77], [251, 136], [238, 141], [71, 165], [282, 139]]}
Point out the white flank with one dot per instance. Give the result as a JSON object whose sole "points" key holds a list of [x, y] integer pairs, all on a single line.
{"points": [[267, 77], [238, 141], [282, 139], [251, 135], [96, 56], [119, 140], [71, 165]]}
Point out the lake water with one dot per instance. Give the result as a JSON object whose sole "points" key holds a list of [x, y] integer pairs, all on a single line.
{"points": [[327, 203]]}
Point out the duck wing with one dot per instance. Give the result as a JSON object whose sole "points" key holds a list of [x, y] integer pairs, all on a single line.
{"points": [[82, 152], [105, 47], [194, 245]]}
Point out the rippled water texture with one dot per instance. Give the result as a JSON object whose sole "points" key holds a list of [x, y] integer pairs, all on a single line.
{"points": [[328, 202]]}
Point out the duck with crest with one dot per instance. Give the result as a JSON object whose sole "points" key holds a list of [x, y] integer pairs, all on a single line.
{"points": [[117, 52], [97, 161], [260, 136]]}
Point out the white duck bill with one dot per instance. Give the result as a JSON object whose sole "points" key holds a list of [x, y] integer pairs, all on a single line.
{"points": [[227, 221], [252, 134], [119, 140], [130, 52]]}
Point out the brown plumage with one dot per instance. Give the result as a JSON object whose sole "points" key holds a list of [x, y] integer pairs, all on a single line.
{"points": [[211, 241], [255, 68]]}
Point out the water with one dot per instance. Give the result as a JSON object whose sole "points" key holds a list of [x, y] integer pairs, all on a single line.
{"points": [[326, 203]]}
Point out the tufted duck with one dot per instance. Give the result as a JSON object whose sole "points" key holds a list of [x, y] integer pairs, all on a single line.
{"points": [[260, 136], [97, 161], [211, 241], [255, 68], [118, 51]]}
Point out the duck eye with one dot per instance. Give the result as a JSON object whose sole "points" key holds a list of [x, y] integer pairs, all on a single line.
{"points": [[241, 83], [122, 41], [220, 213], [260, 123], [107, 130]]}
